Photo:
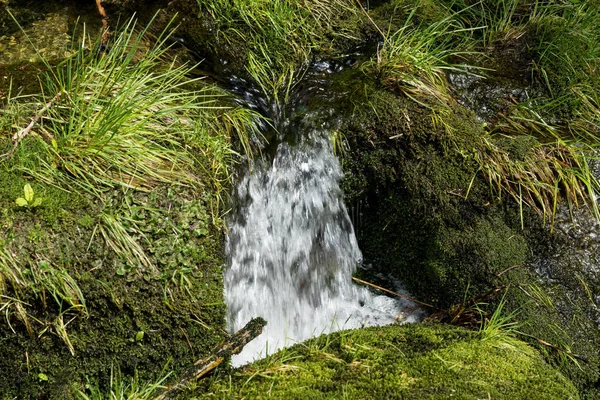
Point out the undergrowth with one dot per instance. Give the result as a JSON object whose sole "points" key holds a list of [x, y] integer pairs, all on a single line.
{"points": [[423, 41]]}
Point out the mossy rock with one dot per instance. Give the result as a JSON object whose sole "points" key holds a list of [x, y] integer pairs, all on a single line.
{"points": [[408, 178], [412, 177], [131, 317], [416, 361]]}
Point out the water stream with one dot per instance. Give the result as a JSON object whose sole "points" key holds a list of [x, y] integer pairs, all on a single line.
{"points": [[292, 249]]}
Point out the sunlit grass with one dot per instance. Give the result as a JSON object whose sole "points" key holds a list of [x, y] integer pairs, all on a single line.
{"points": [[561, 165], [416, 58], [127, 119], [280, 35], [123, 388]]}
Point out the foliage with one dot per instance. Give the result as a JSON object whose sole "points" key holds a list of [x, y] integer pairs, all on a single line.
{"points": [[126, 120], [28, 199], [123, 388], [416, 57], [133, 160], [500, 327]]}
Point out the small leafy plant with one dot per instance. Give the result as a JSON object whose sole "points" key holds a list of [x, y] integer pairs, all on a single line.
{"points": [[28, 199]]}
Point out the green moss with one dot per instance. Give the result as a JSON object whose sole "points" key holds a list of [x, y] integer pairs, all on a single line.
{"points": [[410, 177], [411, 361], [180, 309], [414, 176], [271, 42]]}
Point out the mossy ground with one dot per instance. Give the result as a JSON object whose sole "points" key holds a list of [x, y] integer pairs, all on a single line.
{"points": [[109, 278], [180, 311], [426, 361]]}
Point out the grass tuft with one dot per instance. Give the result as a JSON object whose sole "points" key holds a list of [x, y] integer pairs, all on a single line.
{"points": [[124, 118], [280, 35], [123, 388], [416, 57]]}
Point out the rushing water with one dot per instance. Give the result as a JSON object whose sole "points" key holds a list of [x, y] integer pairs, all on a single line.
{"points": [[292, 251]]}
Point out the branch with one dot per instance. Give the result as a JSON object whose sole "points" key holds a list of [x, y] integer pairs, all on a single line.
{"points": [[394, 293], [226, 349], [19, 136], [105, 26]]}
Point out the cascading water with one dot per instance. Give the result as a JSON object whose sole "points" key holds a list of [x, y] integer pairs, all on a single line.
{"points": [[292, 251]]}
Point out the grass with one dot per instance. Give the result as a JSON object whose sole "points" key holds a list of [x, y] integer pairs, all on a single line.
{"points": [[547, 175], [499, 327], [121, 242], [559, 167], [39, 282], [125, 119], [128, 120], [114, 126], [416, 57], [123, 388], [562, 115], [280, 35]]}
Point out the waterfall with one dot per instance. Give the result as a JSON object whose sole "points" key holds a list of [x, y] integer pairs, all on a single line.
{"points": [[292, 251]]}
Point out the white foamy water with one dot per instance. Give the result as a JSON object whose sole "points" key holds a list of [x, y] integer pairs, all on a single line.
{"points": [[292, 252]]}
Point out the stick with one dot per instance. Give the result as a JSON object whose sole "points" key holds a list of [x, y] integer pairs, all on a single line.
{"points": [[19, 136], [105, 26], [508, 269], [233, 345], [394, 293]]}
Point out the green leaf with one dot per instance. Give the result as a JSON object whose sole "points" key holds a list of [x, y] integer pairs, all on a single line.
{"points": [[28, 193], [21, 202], [37, 202], [54, 144], [139, 336]]}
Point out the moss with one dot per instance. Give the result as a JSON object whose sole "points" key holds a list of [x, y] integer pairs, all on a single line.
{"points": [[414, 175], [180, 309], [410, 177], [566, 51], [268, 42], [410, 361]]}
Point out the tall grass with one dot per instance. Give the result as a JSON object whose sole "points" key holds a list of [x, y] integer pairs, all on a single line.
{"points": [[559, 167], [127, 118], [500, 327], [416, 57], [39, 281], [123, 388], [280, 35]]}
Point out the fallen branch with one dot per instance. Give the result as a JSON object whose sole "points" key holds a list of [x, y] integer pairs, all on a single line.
{"points": [[508, 269], [105, 26], [19, 136], [233, 345], [390, 292]]}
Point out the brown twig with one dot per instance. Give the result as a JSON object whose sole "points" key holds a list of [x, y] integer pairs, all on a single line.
{"points": [[105, 26], [508, 269], [19, 136], [394, 293], [233, 345]]}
